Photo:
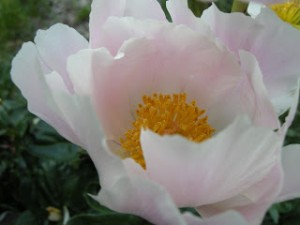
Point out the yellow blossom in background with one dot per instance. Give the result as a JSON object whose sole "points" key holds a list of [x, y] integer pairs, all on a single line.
{"points": [[288, 11]]}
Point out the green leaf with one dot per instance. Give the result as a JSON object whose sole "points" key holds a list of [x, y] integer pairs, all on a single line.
{"points": [[26, 218], [45, 134], [96, 206], [105, 216], [274, 214], [58, 152]]}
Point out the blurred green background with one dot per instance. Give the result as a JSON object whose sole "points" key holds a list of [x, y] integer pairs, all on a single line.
{"points": [[39, 168]]}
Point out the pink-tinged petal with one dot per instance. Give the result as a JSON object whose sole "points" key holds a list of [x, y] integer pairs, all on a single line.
{"points": [[208, 74], [115, 80], [291, 168], [263, 112], [27, 74], [141, 197], [103, 9], [55, 45], [116, 30], [203, 171], [264, 36], [253, 203], [227, 218], [248, 96], [181, 14], [235, 30]]}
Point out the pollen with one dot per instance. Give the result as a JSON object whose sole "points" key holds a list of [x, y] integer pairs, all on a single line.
{"points": [[166, 114], [289, 12]]}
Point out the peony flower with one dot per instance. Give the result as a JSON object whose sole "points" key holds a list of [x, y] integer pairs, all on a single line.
{"points": [[172, 114]]}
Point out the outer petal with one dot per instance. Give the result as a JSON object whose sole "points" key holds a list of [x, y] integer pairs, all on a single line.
{"points": [[204, 172], [103, 9], [141, 197], [291, 168], [55, 45], [265, 36], [252, 203], [27, 74]]}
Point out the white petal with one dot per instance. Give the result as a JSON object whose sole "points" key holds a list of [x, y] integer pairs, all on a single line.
{"points": [[80, 66], [27, 74], [117, 30], [55, 45], [282, 70], [78, 112], [217, 169], [103, 9], [265, 36], [253, 203], [140, 197], [291, 168], [263, 113]]}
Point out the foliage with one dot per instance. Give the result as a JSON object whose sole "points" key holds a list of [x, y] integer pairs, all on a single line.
{"points": [[39, 168]]}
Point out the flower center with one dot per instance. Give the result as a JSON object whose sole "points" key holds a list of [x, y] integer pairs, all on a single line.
{"points": [[166, 114], [288, 12]]}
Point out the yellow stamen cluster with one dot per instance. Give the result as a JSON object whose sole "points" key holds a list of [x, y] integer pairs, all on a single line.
{"points": [[166, 114], [288, 12]]}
